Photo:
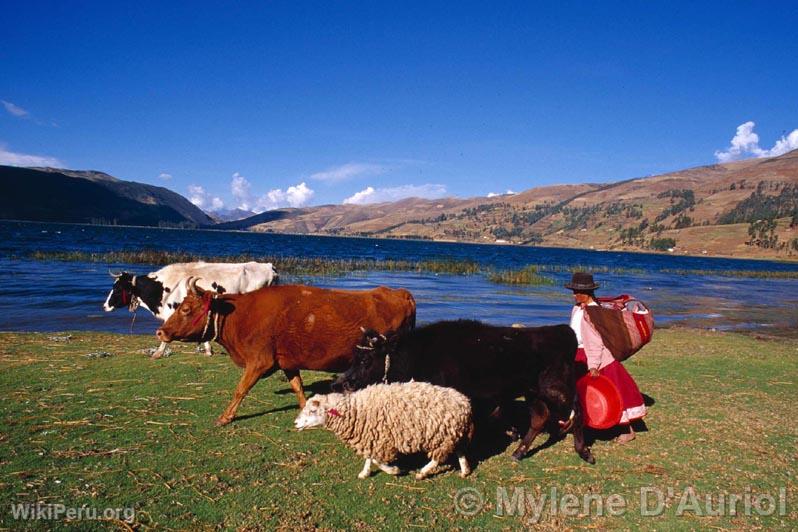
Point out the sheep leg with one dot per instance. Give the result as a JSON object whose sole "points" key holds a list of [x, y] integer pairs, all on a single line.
{"points": [[424, 473], [296, 384], [465, 469], [366, 469], [540, 414], [391, 470]]}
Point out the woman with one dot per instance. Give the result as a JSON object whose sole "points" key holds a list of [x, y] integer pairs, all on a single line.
{"points": [[593, 356]]}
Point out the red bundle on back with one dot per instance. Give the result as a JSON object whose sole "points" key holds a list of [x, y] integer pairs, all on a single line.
{"points": [[625, 324]]}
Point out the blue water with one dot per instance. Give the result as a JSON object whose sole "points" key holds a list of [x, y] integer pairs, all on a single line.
{"points": [[56, 296]]}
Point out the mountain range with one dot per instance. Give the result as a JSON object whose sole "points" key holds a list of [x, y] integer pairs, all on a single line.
{"points": [[745, 209], [59, 195]]}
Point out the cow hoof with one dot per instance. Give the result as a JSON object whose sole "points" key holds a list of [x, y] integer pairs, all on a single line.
{"points": [[222, 421], [420, 476], [156, 356], [518, 456], [587, 456]]}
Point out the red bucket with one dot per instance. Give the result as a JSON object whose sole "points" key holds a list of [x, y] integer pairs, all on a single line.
{"points": [[601, 402]]}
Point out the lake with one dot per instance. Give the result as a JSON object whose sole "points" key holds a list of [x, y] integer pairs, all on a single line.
{"points": [[57, 296]]}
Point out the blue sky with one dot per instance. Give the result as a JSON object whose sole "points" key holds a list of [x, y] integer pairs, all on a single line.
{"points": [[303, 103]]}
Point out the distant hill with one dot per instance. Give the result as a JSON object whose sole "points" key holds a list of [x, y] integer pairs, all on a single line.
{"points": [[59, 195], [746, 208]]}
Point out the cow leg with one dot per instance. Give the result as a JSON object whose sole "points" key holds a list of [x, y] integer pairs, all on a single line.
{"points": [[540, 414], [296, 384], [579, 435], [160, 351], [251, 375]]}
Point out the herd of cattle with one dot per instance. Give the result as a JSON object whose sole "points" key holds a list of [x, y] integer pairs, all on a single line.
{"points": [[368, 335]]}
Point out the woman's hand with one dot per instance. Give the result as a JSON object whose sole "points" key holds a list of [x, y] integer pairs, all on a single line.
{"points": [[594, 372]]}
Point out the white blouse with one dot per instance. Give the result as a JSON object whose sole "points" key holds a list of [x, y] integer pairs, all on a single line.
{"points": [[576, 322]]}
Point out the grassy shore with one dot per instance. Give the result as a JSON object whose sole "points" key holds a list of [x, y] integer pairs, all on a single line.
{"points": [[116, 429]]}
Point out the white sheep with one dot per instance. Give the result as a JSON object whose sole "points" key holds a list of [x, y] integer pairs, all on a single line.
{"points": [[384, 420]]}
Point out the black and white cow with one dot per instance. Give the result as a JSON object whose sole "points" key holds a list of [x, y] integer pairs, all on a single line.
{"points": [[161, 292]]}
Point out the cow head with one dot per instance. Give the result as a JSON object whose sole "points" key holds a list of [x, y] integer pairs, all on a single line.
{"points": [[368, 362], [187, 323], [317, 409], [121, 293]]}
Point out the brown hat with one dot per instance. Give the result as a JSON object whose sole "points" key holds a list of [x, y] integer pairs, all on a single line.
{"points": [[582, 281]]}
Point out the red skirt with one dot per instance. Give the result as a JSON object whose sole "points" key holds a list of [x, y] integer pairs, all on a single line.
{"points": [[633, 405]]}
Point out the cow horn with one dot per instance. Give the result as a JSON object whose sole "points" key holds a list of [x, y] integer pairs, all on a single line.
{"points": [[114, 275], [362, 329], [192, 285]]}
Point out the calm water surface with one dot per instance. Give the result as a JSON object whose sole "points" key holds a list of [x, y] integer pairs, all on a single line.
{"points": [[57, 296]]}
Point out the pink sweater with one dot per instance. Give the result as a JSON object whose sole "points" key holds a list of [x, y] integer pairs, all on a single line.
{"points": [[598, 356]]}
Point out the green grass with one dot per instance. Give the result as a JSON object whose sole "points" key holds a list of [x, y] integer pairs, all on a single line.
{"points": [[127, 431]]}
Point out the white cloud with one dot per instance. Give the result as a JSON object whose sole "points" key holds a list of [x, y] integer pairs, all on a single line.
{"points": [[294, 196], [165, 176], [785, 144], [196, 195], [382, 195], [348, 171], [240, 188], [216, 203], [15, 110], [23, 159], [199, 197], [745, 144], [508, 193]]}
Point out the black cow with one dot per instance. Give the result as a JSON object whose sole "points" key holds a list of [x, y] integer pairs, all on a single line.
{"points": [[491, 365]]}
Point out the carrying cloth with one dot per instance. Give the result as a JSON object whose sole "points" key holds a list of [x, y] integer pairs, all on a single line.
{"points": [[625, 324]]}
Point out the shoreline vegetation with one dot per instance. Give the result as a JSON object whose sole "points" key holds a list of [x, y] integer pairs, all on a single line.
{"points": [[532, 274]]}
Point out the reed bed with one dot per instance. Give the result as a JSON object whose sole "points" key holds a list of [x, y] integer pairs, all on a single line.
{"points": [[290, 265], [751, 274], [531, 274]]}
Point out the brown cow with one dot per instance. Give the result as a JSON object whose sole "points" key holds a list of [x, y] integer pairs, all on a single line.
{"points": [[289, 327]]}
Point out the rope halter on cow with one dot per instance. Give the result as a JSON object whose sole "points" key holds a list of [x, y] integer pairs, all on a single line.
{"points": [[207, 311], [387, 367]]}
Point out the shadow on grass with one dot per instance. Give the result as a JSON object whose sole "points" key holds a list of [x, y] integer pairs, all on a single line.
{"points": [[318, 387], [270, 411]]}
